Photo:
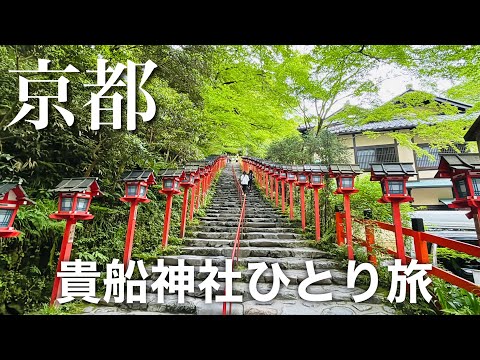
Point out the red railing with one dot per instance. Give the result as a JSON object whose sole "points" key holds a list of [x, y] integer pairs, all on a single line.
{"points": [[236, 243], [420, 240]]}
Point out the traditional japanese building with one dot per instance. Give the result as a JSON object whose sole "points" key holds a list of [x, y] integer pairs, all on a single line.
{"points": [[424, 188]]}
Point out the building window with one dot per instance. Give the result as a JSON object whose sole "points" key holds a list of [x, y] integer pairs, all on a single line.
{"points": [[424, 162], [367, 156], [5, 216]]}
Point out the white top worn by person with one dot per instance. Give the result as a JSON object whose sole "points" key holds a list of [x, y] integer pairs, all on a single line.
{"points": [[244, 179]]}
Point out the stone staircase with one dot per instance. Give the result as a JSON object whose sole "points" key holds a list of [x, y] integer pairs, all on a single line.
{"points": [[268, 237]]}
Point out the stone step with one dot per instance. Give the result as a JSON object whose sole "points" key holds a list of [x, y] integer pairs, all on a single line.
{"points": [[251, 235], [250, 224], [296, 276], [284, 263], [225, 205], [262, 219], [191, 305], [246, 229], [246, 243], [232, 208], [273, 252]]}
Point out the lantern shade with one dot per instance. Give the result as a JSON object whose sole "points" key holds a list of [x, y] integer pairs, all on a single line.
{"points": [[171, 180], [347, 182], [316, 179], [132, 189], [66, 203], [5, 217], [75, 197], [190, 174], [396, 187], [302, 178], [462, 188], [344, 175], [476, 186], [136, 184], [82, 204]]}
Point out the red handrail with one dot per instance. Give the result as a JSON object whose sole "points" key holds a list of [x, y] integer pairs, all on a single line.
{"points": [[238, 235], [420, 240]]}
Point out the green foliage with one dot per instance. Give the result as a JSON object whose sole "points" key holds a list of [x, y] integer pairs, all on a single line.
{"points": [[454, 300], [449, 254], [74, 307], [310, 148]]}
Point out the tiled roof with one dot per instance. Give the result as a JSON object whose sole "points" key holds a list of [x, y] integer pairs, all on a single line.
{"points": [[75, 184], [341, 128], [317, 168], [349, 169], [171, 172], [136, 175], [468, 161], [396, 124], [6, 187], [392, 169], [429, 183]]}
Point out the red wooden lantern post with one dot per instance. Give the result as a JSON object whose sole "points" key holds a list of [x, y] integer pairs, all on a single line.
{"points": [[302, 181], [266, 172], [201, 173], [282, 177], [12, 196], [75, 196], [464, 172], [291, 178], [196, 184], [171, 186], [271, 174], [276, 175], [196, 181], [316, 183], [393, 179], [258, 173], [136, 187], [206, 173], [345, 177], [187, 181]]}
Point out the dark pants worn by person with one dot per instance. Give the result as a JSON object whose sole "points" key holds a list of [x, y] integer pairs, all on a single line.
{"points": [[244, 187]]}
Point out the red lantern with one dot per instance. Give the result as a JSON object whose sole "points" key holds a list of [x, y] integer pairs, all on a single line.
{"points": [[345, 177], [393, 179], [187, 181], [12, 196], [464, 172], [171, 186], [75, 196], [317, 173], [136, 187]]}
